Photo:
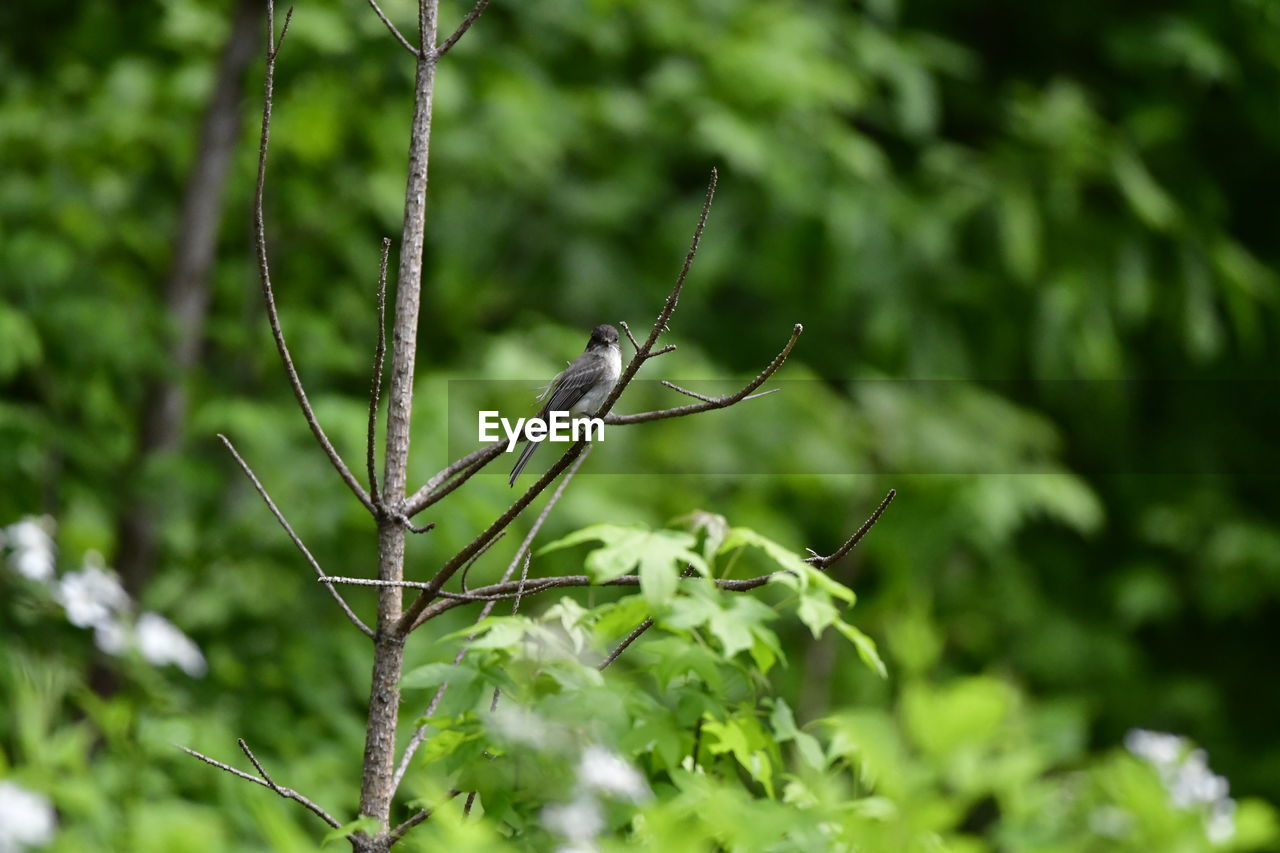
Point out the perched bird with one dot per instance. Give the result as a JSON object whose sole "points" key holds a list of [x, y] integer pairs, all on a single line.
{"points": [[581, 388]]}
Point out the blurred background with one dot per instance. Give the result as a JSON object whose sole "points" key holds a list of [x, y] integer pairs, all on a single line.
{"points": [[1032, 247]]}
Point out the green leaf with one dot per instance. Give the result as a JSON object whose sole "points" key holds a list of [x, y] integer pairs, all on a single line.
{"points": [[661, 556], [802, 574], [784, 727], [716, 527], [369, 825], [731, 631], [816, 611], [865, 645], [678, 658], [434, 674]]}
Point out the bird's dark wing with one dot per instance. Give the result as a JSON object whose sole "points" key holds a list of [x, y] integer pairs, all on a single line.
{"points": [[565, 390], [568, 388]]}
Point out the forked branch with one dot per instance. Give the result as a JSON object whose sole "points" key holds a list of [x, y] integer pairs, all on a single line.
{"points": [[264, 268], [392, 28], [266, 782], [470, 19], [705, 403]]}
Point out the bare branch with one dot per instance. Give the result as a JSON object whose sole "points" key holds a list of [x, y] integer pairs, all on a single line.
{"points": [[635, 345], [398, 833], [637, 631], [257, 765], [478, 555], [630, 638], [410, 618], [273, 43], [469, 465], [411, 614], [709, 403], [511, 589], [287, 793], [440, 484], [823, 562], [392, 27], [668, 308], [262, 493], [668, 348], [375, 389], [695, 395], [470, 19], [264, 270], [413, 528], [420, 735]]}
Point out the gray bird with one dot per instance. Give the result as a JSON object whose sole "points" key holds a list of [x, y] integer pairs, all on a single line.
{"points": [[581, 388]]}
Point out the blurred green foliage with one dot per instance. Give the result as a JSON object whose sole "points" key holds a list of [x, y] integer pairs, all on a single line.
{"points": [[1041, 204]]}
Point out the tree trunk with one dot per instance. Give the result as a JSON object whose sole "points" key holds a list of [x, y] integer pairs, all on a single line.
{"points": [[187, 295]]}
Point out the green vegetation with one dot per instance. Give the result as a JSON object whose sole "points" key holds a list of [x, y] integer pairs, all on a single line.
{"points": [[1032, 247]]}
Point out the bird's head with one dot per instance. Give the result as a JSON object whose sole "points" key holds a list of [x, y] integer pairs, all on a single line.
{"points": [[603, 335]]}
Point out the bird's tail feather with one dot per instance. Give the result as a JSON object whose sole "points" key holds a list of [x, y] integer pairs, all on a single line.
{"points": [[522, 461]]}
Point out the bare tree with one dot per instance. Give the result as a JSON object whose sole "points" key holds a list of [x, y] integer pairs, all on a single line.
{"points": [[393, 508]]}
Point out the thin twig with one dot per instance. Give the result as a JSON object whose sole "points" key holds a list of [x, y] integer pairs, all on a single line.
{"points": [[392, 27], [470, 19], [468, 466], [630, 638], [515, 609], [479, 554], [824, 562], [417, 818], [635, 345], [287, 793], [713, 400], [410, 619], [375, 389], [525, 546], [637, 631], [694, 394], [257, 765], [510, 589], [264, 269], [709, 403], [271, 505], [444, 482]]}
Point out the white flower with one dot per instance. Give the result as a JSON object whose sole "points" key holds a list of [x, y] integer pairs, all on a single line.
{"points": [[91, 596], [1185, 774], [518, 726], [160, 642], [1192, 782], [1221, 827], [112, 636], [610, 773], [26, 818], [578, 822], [1161, 749], [32, 544]]}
